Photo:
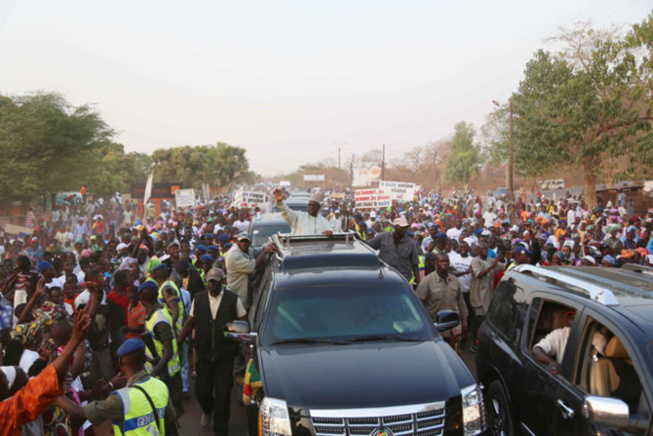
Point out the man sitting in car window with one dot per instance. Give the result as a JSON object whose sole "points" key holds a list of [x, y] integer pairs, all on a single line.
{"points": [[554, 344]]}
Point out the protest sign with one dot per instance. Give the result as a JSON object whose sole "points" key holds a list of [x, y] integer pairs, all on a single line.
{"points": [[185, 197], [371, 198], [398, 191]]}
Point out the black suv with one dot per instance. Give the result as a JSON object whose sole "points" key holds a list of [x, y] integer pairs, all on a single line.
{"points": [[595, 328], [344, 347]]}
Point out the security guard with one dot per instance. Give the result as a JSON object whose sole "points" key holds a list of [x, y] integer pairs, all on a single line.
{"points": [[161, 350], [169, 295], [133, 408]]}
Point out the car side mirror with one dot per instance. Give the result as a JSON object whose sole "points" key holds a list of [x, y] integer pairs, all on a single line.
{"points": [[239, 330], [446, 320], [606, 411]]}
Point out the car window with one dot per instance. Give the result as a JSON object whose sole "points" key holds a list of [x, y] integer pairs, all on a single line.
{"points": [[344, 312], [507, 307], [605, 368], [550, 332], [259, 300]]}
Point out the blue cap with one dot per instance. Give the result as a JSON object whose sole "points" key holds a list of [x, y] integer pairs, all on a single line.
{"points": [[522, 249], [160, 267], [201, 248], [440, 235], [206, 258], [209, 236], [213, 247], [223, 237], [147, 284], [42, 265], [130, 346], [228, 245]]}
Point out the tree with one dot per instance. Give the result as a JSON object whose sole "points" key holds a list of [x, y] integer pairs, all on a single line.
{"points": [[464, 158], [221, 164], [586, 114], [46, 145]]}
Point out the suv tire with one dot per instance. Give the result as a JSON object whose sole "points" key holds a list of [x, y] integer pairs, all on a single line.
{"points": [[498, 410]]}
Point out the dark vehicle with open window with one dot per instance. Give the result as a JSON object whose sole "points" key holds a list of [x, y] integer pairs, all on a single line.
{"points": [[595, 326], [344, 347]]}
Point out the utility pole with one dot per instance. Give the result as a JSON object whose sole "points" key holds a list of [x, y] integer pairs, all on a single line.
{"points": [[351, 169], [383, 164], [338, 158]]}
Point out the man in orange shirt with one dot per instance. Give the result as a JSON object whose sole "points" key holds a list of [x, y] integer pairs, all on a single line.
{"points": [[40, 392]]}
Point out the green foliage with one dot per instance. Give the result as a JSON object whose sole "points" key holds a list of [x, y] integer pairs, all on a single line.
{"points": [[222, 164], [46, 144], [464, 159]]}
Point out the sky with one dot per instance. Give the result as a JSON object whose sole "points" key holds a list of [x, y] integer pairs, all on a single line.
{"points": [[291, 81]]}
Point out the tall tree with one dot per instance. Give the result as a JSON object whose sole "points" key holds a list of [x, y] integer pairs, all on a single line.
{"points": [[45, 144], [464, 159], [583, 114]]}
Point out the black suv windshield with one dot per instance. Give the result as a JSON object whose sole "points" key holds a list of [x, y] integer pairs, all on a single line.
{"points": [[342, 313]]}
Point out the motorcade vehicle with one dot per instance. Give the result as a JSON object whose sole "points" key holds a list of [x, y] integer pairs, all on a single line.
{"points": [[502, 194], [270, 224], [601, 381], [299, 204], [553, 184], [344, 347]]}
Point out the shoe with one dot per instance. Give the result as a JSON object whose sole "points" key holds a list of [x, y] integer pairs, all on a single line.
{"points": [[206, 420]]}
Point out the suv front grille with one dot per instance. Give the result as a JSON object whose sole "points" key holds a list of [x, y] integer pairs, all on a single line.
{"points": [[418, 420]]}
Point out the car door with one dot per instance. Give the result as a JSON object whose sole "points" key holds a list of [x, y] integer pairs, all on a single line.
{"points": [[538, 388], [571, 395]]}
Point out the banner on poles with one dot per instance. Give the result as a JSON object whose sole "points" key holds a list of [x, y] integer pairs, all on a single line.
{"points": [[185, 197], [398, 191], [314, 177], [157, 190], [371, 199]]}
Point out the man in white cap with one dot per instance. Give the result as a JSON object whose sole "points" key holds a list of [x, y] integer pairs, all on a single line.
{"points": [[398, 250], [304, 223]]}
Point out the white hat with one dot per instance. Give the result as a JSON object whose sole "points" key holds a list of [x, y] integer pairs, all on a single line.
{"points": [[121, 246], [372, 214]]}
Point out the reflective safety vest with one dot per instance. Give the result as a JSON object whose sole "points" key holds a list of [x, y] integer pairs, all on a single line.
{"points": [[174, 364], [180, 320], [138, 415], [421, 270]]}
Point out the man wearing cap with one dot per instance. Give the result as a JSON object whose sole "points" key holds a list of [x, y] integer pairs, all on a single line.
{"points": [[169, 295], [304, 223], [398, 250], [133, 408], [241, 264], [520, 255], [209, 312], [161, 350], [173, 254]]}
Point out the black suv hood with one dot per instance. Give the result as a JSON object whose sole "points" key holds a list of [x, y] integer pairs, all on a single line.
{"points": [[361, 375]]}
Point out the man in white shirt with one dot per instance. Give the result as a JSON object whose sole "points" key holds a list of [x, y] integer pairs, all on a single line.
{"points": [[304, 223], [336, 221], [554, 344], [454, 232], [241, 224], [489, 216]]}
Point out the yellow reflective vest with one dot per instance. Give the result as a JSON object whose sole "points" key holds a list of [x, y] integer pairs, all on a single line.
{"points": [[138, 416]]}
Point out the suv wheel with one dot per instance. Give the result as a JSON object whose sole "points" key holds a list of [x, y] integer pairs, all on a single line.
{"points": [[498, 411]]}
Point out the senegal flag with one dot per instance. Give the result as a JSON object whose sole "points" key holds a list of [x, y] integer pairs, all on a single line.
{"points": [[252, 382]]}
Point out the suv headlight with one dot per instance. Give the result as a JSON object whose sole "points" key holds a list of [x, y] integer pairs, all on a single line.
{"points": [[473, 410], [274, 419]]}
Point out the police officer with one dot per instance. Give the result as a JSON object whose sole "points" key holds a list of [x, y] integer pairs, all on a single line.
{"points": [[210, 311], [141, 407], [161, 350]]}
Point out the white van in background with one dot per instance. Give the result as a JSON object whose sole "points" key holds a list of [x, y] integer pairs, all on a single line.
{"points": [[553, 184]]}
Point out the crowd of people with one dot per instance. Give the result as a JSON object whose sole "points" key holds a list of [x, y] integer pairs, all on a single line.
{"points": [[109, 316]]}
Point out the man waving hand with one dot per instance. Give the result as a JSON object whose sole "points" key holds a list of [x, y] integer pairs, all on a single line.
{"points": [[304, 223]]}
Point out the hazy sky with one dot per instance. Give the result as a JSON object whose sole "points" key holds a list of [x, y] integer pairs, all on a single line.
{"points": [[287, 80]]}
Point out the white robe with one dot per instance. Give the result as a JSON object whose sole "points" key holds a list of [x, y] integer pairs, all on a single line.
{"points": [[301, 223]]}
